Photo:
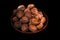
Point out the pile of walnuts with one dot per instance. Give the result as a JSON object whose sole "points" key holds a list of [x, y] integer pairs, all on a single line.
{"points": [[28, 19]]}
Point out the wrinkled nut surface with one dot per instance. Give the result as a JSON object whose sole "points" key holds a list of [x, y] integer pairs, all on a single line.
{"points": [[28, 19], [19, 14], [34, 21], [24, 19], [32, 28], [24, 27]]}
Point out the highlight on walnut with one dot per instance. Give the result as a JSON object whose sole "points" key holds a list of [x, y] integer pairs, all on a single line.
{"points": [[28, 19]]}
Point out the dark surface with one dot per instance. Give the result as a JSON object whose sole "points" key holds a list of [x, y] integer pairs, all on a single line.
{"points": [[7, 8]]}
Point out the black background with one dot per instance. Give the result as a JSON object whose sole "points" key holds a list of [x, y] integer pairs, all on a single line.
{"points": [[7, 7]]}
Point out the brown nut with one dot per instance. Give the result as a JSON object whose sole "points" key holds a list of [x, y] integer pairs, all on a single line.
{"points": [[24, 27], [34, 21], [32, 28], [40, 26], [24, 19], [19, 14]]}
